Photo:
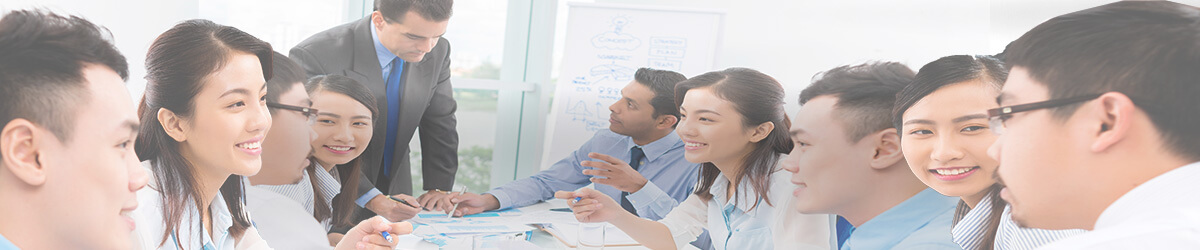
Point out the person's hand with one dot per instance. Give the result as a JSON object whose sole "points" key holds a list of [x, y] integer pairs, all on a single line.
{"points": [[334, 238], [593, 205], [437, 200], [469, 203], [620, 174], [367, 234], [394, 210]]}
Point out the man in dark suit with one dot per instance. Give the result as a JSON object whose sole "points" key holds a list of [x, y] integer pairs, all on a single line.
{"points": [[398, 53]]}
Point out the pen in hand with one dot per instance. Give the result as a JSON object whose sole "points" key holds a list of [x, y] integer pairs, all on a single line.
{"points": [[450, 214], [405, 202]]}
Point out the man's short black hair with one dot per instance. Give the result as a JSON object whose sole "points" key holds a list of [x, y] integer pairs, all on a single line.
{"points": [[662, 82], [433, 10], [865, 93], [1149, 51], [42, 56]]}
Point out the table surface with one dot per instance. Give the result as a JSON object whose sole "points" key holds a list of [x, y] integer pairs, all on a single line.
{"points": [[540, 238]]}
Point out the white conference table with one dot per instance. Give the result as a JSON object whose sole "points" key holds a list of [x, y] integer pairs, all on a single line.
{"points": [[540, 238]]}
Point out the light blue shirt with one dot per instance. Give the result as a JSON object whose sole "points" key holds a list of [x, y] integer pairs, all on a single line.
{"points": [[385, 57], [921, 222], [7, 245], [671, 177]]}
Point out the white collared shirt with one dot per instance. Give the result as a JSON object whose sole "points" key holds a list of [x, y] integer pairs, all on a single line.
{"points": [[1163, 213], [969, 232], [737, 226], [302, 192], [151, 224], [283, 222]]}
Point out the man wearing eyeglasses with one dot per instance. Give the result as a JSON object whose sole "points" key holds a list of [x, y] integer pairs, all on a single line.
{"points": [[277, 195], [1098, 124]]}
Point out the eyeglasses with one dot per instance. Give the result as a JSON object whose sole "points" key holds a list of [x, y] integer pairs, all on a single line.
{"points": [[997, 116], [309, 113]]}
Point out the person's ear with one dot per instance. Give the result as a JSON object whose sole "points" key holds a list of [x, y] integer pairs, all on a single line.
{"points": [[761, 131], [19, 147], [666, 121], [1114, 114], [377, 19], [174, 125], [887, 148]]}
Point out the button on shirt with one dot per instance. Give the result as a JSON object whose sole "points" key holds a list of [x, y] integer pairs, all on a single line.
{"points": [[921, 222], [742, 225], [1163, 213], [670, 177], [970, 231]]}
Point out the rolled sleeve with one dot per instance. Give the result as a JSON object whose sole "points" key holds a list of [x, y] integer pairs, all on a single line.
{"points": [[687, 221], [651, 202], [362, 200]]}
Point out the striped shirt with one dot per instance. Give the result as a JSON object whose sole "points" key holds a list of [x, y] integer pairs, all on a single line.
{"points": [[302, 191], [969, 232]]}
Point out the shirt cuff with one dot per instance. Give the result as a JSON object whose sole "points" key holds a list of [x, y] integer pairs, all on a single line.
{"points": [[502, 197], [362, 200], [646, 196]]}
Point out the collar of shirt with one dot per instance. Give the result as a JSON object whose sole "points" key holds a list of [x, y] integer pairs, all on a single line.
{"points": [[7, 245], [969, 231], [658, 147], [329, 185], [221, 221], [894, 225], [385, 56], [1171, 189], [744, 192]]}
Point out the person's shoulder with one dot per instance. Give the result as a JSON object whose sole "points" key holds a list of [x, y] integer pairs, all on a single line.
{"points": [[332, 38]]}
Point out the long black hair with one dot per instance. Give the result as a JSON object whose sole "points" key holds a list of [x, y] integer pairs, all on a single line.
{"points": [[948, 71], [343, 204], [177, 64], [759, 98]]}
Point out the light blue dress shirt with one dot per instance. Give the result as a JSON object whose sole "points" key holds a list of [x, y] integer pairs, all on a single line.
{"points": [[921, 222], [671, 177], [7, 245], [385, 57]]}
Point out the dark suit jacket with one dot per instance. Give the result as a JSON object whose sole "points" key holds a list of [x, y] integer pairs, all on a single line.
{"points": [[427, 102]]}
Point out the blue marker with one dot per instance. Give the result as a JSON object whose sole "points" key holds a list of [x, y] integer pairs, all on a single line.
{"points": [[387, 236], [577, 198]]}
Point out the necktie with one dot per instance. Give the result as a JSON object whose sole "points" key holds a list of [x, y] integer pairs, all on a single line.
{"points": [[635, 161], [844, 229], [394, 91]]}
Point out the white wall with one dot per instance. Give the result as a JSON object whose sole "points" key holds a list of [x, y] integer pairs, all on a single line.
{"points": [[793, 40], [134, 24]]}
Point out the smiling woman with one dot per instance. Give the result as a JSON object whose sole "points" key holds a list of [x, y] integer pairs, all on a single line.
{"points": [[203, 117]]}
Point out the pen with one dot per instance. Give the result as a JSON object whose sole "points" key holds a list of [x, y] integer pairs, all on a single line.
{"points": [[385, 234], [402, 201], [450, 214], [577, 198]]}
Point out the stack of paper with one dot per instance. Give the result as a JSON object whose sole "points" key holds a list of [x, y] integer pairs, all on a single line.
{"points": [[568, 233]]}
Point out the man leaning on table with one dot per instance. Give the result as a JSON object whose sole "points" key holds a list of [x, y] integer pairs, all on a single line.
{"points": [[638, 160]]}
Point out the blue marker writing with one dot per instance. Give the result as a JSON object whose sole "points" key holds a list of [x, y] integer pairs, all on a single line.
{"points": [[387, 236]]}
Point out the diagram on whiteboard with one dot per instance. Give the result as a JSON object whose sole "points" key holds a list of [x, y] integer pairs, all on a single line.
{"points": [[616, 39], [605, 46]]}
